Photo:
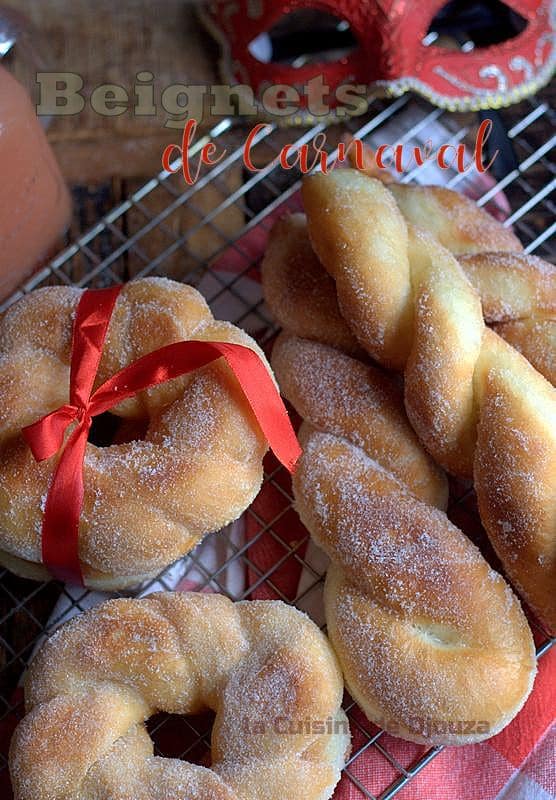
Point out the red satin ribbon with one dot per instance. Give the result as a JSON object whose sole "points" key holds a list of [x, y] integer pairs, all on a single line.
{"points": [[60, 527]]}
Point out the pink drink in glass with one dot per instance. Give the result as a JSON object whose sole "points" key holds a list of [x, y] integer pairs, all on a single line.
{"points": [[34, 201]]}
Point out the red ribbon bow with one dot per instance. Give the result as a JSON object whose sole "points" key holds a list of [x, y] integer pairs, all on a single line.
{"points": [[60, 527]]}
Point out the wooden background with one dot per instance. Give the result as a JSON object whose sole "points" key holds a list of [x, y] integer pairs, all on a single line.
{"points": [[109, 41]]}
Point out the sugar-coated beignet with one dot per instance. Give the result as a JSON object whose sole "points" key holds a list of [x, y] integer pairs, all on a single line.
{"points": [[478, 406], [263, 667], [433, 643], [148, 501]]}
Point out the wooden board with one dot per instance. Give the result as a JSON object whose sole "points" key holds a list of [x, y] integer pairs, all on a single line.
{"points": [[110, 42]]}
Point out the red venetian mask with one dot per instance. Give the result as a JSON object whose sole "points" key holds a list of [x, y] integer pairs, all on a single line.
{"points": [[396, 47]]}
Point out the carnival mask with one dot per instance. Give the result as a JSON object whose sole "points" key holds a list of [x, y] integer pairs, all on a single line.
{"points": [[395, 47]]}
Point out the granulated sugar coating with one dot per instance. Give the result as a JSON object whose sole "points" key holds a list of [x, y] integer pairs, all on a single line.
{"points": [[454, 219], [413, 308], [298, 291], [263, 667], [336, 393], [433, 643], [147, 502]]}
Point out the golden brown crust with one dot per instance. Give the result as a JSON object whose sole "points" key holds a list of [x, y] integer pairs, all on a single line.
{"points": [[535, 339], [447, 353], [512, 285], [299, 293], [336, 393], [196, 469], [518, 295], [263, 667], [454, 219], [433, 643]]}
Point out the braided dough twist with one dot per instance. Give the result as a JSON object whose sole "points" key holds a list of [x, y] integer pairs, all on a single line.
{"points": [[147, 502], [361, 403], [479, 407], [455, 220], [433, 643], [263, 667], [518, 293]]}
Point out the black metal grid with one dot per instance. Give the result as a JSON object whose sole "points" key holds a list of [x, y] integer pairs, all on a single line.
{"points": [[166, 228]]}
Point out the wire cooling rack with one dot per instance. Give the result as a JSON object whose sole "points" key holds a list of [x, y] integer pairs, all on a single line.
{"points": [[209, 235]]}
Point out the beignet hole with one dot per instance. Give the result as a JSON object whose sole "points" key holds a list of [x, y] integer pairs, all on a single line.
{"points": [[108, 429], [184, 737]]}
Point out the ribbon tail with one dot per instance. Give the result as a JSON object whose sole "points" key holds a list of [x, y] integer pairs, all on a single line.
{"points": [[46, 436], [60, 527], [92, 319], [266, 403]]}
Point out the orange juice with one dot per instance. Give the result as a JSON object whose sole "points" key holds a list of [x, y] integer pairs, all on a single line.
{"points": [[34, 200]]}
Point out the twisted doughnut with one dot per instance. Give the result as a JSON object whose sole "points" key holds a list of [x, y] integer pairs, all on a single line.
{"points": [[337, 394], [515, 288], [428, 635], [434, 645], [455, 220], [263, 667], [147, 502], [518, 295], [479, 407]]}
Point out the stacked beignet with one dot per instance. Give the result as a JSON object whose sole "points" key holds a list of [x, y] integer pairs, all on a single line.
{"points": [[434, 644], [478, 406]]}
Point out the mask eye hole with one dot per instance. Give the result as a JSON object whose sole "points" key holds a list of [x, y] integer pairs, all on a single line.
{"points": [[305, 36], [464, 25]]}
